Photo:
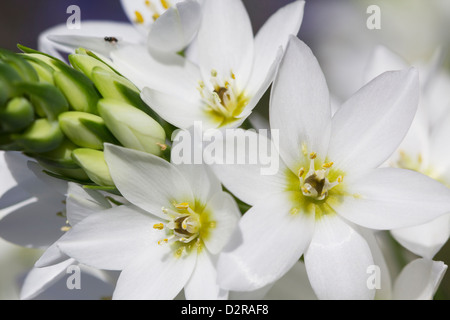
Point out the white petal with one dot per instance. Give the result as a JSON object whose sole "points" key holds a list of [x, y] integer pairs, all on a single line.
{"points": [[34, 225], [155, 275], [204, 183], [51, 256], [382, 60], [273, 35], [419, 280], [203, 282], [300, 105], [390, 198], [168, 73], [225, 40], [257, 90], [224, 213], [262, 171], [368, 128], [337, 261], [293, 286], [384, 291], [40, 279], [176, 28], [111, 238], [427, 239], [90, 36], [83, 202], [439, 153], [267, 232], [179, 112], [147, 181]]}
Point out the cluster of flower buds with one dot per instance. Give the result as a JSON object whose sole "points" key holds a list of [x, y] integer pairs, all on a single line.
{"points": [[62, 115]]}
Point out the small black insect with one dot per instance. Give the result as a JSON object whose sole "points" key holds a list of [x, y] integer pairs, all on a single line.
{"points": [[111, 39]]}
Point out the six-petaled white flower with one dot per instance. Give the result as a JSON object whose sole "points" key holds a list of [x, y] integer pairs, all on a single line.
{"points": [[329, 184], [167, 239]]}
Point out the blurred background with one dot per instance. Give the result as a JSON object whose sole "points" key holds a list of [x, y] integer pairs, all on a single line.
{"points": [[336, 30]]}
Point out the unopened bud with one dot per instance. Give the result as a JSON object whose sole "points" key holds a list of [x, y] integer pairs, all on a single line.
{"points": [[59, 161], [17, 115], [85, 130], [132, 127], [85, 62], [78, 90], [94, 164], [47, 100], [42, 136]]}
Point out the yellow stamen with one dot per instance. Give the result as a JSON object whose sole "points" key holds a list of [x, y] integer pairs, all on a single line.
{"points": [[147, 3], [158, 226], [340, 179], [155, 16], [165, 4], [163, 241], [66, 228], [327, 165], [301, 172], [139, 17], [183, 205], [312, 155]]}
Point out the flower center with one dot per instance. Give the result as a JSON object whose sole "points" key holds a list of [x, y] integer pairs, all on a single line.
{"points": [[315, 183], [184, 224], [222, 99]]}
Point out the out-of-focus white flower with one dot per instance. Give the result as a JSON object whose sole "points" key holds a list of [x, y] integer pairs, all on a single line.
{"points": [[166, 26], [170, 24], [53, 264], [232, 68], [337, 33], [168, 239], [327, 182], [425, 148]]}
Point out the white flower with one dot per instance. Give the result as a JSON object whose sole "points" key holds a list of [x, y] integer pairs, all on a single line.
{"points": [[53, 264], [166, 25], [170, 24], [226, 72], [328, 184], [425, 148], [32, 208], [168, 239]]}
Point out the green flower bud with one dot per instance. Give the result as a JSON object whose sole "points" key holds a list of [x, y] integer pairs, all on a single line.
{"points": [[44, 71], [8, 79], [78, 89], [42, 136], [132, 127], [85, 130], [17, 115], [94, 164], [48, 100], [23, 68], [86, 63], [60, 161]]}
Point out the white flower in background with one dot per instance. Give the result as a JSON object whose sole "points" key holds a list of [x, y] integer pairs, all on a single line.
{"points": [[425, 148], [166, 25], [167, 239], [170, 24], [222, 80], [32, 209], [329, 183], [343, 44], [53, 264]]}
